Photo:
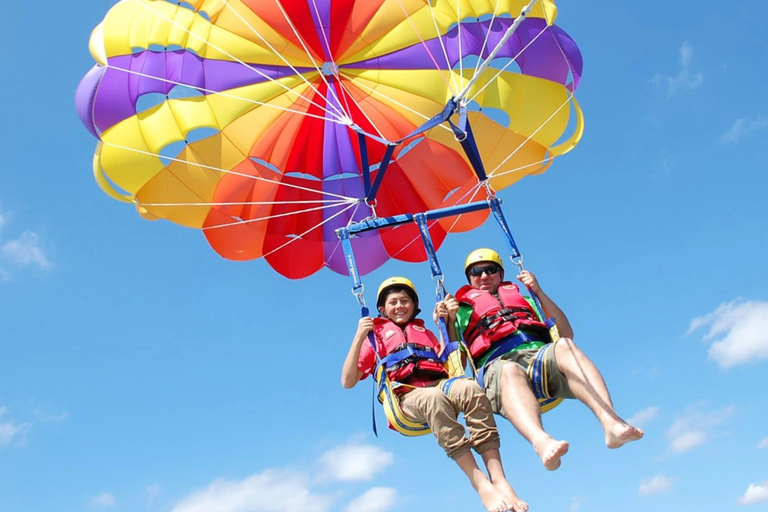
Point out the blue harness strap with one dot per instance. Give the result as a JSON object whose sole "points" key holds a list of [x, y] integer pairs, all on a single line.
{"points": [[462, 132], [536, 371], [507, 345], [408, 352], [448, 383], [537, 374]]}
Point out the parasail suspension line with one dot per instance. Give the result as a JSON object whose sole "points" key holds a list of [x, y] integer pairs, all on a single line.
{"points": [[515, 256], [437, 275], [462, 132], [487, 62], [370, 195]]}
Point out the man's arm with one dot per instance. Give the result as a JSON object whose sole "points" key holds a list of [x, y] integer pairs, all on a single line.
{"points": [[350, 373], [551, 310]]}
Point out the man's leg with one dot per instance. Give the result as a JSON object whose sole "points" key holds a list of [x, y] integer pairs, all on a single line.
{"points": [[521, 408], [588, 386]]}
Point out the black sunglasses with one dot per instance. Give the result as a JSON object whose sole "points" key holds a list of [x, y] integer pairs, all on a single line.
{"points": [[488, 269]]}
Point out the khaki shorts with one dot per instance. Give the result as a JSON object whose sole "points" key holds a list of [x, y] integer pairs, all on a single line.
{"points": [[557, 385]]}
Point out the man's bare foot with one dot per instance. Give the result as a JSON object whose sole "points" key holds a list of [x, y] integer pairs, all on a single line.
{"points": [[622, 433], [510, 496], [492, 499], [551, 452]]}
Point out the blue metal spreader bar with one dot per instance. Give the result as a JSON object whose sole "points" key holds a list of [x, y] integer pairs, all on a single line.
{"points": [[396, 220], [375, 223]]}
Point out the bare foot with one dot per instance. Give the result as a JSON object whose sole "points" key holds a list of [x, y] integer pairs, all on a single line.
{"points": [[510, 496], [492, 499], [551, 452], [621, 434]]}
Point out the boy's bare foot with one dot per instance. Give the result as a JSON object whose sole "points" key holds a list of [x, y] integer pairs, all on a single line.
{"points": [[492, 499], [551, 452], [622, 433], [510, 496]]}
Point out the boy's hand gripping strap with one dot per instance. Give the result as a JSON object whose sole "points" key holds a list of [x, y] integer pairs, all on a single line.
{"points": [[452, 351]]}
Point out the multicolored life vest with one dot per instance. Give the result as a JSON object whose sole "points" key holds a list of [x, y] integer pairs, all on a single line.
{"points": [[409, 355], [494, 318]]}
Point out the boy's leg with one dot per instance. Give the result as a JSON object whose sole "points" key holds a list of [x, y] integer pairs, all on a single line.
{"points": [[467, 397], [492, 460], [431, 406], [493, 500]]}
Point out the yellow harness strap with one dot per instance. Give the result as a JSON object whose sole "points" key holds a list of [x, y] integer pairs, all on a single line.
{"points": [[391, 402]]}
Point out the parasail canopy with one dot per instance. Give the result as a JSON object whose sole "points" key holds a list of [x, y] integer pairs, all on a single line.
{"points": [[261, 122]]}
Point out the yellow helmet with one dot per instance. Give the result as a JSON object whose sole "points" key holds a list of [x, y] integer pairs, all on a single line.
{"points": [[482, 255], [397, 282]]}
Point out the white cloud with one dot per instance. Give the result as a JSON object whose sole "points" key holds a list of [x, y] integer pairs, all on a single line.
{"points": [[655, 485], [9, 431], [644, 417], [694, 429], [686, 79], [756, 493], [763, 443], [151, 493], [741, 329], [102, 501], [355, 462], [577, 503], [743, 127], [25, 250], [687, 441], [48, 417], [377, 499], [269, 491]]}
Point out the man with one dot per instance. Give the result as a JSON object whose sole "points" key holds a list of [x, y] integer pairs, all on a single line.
{"points": [[512, 344]]}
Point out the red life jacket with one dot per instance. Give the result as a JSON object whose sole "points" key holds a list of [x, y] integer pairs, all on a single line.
{"points": [[495, 318], [391, 338]]}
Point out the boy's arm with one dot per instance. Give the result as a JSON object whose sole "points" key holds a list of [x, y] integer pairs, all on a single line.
{"points": [[551, 310], [446, 309], [350, 373]]}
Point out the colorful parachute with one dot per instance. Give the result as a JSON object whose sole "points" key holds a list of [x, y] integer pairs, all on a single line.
{"points": [[254, 120]]}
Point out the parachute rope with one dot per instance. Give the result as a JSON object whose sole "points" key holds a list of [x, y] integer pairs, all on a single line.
{"points": [[306, 51], [244, 64], [486, 39], [426, 47], [374, 92], [510, 31], [503, 69], [537, 130], [280, 215], [319, 225], [235, 173], [227, 95]]}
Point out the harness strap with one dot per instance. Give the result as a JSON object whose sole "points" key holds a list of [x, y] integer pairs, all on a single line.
{"points": [[537, 374], [503, 346], [408, 353], [491, 321]]}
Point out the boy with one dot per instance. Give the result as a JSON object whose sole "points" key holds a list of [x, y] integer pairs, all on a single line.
{"points": [[419, 387]]}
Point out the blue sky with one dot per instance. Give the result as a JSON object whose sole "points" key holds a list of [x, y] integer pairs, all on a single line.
{"points": [[140, 371]]}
